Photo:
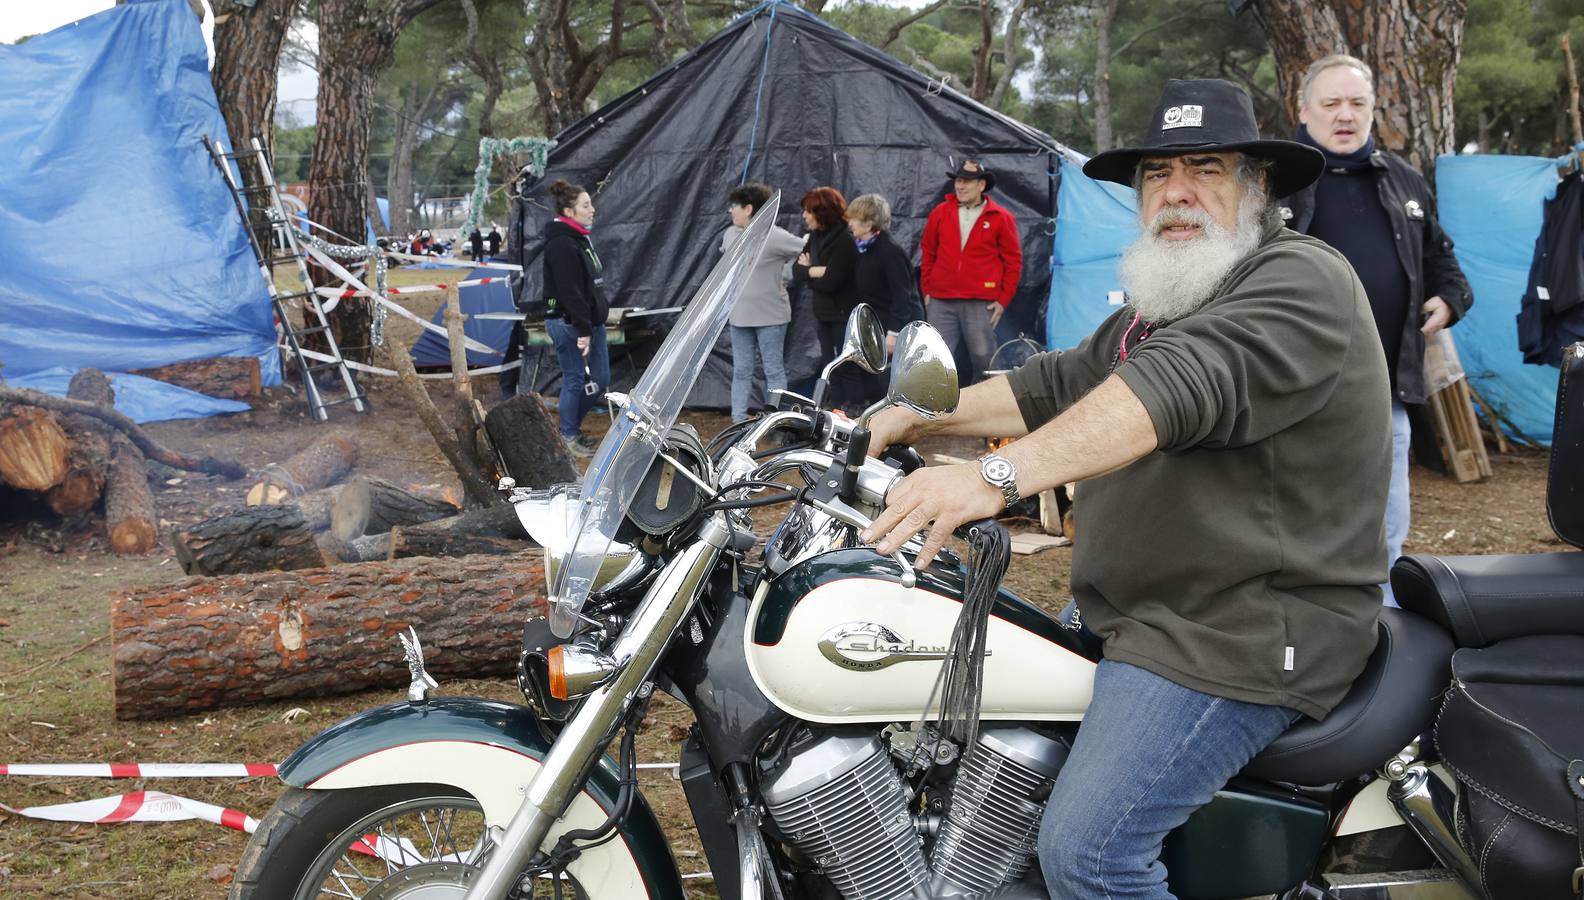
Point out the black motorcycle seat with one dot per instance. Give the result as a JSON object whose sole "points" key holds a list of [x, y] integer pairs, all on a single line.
{"points": [[1485, 599], [1391, 702]]}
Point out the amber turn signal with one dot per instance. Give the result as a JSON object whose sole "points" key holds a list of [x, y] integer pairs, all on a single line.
{"points": [[555, 660]]}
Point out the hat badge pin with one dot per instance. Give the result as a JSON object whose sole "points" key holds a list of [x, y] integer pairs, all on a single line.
{"points": [[1189, 115]]}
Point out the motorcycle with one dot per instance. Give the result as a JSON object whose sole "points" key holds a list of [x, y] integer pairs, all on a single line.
{"points": [[821, 764]]}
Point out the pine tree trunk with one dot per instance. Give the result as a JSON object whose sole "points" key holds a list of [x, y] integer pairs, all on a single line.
{"points": [[318, 465], [1413, 47], [33, 449], [244, 639], [375, 506], [89, 457], [1102, 77], [226, 377], [245, 76], [356, 41]]}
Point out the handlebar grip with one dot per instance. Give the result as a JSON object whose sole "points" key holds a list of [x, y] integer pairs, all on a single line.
{"points": [[906, 458]]}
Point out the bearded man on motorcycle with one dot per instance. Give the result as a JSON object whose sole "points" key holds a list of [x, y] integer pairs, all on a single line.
{"points": [[1232, 425]]}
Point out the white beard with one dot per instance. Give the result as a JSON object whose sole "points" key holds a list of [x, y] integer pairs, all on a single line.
{"points": [[1166, 280]]}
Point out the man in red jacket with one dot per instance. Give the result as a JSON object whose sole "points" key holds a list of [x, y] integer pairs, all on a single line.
{"points": [[970, 262]]}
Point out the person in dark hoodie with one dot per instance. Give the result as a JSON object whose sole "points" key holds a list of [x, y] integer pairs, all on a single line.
{"points": [[884, 277], [828, 265], [575, 311]]}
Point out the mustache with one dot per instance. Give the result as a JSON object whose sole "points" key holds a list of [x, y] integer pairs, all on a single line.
{"points": [[1170, 218]]}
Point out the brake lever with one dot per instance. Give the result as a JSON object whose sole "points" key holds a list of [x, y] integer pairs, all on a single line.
{"points": [[845, 514]]}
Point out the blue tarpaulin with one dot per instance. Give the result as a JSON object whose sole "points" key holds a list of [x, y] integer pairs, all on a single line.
{"points": [[1095, 220], [140, 399], [122, 246], [434, 350], [1492, 207]]}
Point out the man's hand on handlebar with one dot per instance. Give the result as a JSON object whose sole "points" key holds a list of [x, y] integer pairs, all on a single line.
{"points": [[939, 498], [894, 425]]}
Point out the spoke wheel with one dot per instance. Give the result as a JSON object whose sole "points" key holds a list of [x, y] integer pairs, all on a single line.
{"points": [[407, 842]]}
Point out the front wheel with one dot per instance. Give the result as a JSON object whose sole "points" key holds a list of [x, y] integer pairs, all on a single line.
{"points": [[392, 842]]}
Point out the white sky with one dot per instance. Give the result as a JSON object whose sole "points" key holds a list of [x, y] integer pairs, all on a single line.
{"points": [[24, 17]]}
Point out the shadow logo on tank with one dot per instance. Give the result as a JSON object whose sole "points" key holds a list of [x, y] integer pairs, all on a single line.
{"points": [[869, 646]]}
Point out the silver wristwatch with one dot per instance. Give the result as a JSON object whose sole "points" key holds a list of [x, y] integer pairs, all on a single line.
{"points": [[1002, 475]]}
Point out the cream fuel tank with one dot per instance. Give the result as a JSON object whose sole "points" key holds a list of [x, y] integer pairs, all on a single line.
{"points": [[839, 636]]}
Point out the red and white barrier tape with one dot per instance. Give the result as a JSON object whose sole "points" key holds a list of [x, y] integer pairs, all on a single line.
{"points": [[138, 806], [141, 770]]}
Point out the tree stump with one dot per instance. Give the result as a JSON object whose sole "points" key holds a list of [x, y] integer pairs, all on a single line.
{"points": [[321, 464], [227, 377], [33, 449], [528, 440], [130, 516], [243, 639], [252, 539], [374, 506]]}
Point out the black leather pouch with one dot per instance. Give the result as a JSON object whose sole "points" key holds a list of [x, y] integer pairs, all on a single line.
{"points": [[1565, 480], [1512, 731]]}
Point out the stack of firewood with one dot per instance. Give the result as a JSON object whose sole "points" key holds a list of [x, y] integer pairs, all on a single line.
{"points": [[79, 453]]}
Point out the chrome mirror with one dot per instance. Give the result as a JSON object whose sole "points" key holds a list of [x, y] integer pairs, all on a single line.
{"points": [[923, 373], [863, 344]]}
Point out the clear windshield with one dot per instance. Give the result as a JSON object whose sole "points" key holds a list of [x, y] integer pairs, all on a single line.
{"points": [[638, 431]]}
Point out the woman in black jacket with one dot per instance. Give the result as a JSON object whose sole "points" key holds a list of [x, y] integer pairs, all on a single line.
{"points": [[884, 278], [828, 265], [575, 311]]}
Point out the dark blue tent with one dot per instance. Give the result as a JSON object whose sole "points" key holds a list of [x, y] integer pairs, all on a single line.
{"points": [[782, 97], [432, 349]]}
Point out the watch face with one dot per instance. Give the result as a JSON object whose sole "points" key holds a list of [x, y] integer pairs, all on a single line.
{"points": [[996, 469]]}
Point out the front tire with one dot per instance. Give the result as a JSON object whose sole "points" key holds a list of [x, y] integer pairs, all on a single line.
{"points": [[392, 842]]}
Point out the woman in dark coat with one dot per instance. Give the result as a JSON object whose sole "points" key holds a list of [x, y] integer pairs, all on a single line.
{"points": [[829, 265], [884, 277], [575, 311]]}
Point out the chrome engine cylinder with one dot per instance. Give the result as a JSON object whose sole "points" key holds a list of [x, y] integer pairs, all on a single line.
{"points": [[840, 801], [991, 832]]}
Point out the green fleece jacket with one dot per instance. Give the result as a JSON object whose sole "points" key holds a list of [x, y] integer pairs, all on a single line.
{"points": [[1242, 557]]}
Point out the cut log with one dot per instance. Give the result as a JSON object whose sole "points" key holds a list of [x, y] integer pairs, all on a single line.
{"points": [[89, 458], [375, 506], [11, 398], [492, 530], [317, 507], [130, 516], [252, 539], [227, 377], [242, 639], [528, 440], [33, 449], [320, 464]]}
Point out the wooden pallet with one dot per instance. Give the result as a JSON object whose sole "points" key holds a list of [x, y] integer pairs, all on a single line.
{"points": [[1458, 432]]}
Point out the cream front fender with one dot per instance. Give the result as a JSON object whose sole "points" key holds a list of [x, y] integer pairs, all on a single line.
{"points": [[490, 751]]}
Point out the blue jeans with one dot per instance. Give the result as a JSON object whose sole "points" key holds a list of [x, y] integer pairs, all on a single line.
{"points": [[1149, 753], [1397, 499], [768, 341], [574, 403]]}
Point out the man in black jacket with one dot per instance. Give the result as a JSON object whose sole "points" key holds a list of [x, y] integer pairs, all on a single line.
{"points": [[1368, 200]]}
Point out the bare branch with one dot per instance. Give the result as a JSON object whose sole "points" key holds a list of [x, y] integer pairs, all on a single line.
{"points": [[902, 24]]}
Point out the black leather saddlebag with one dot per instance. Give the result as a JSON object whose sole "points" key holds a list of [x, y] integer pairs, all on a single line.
{"points": [[1512, 731]]}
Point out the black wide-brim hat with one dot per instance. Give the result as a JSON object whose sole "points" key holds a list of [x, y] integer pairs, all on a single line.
{"points": [[1210, 116], [981, 173]]}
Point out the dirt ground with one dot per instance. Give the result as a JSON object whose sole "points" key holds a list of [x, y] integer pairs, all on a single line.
{"points": [[55, 694]]}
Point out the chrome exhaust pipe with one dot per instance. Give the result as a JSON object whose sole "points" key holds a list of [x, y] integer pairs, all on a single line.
{"points": [[1427, 807]]}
